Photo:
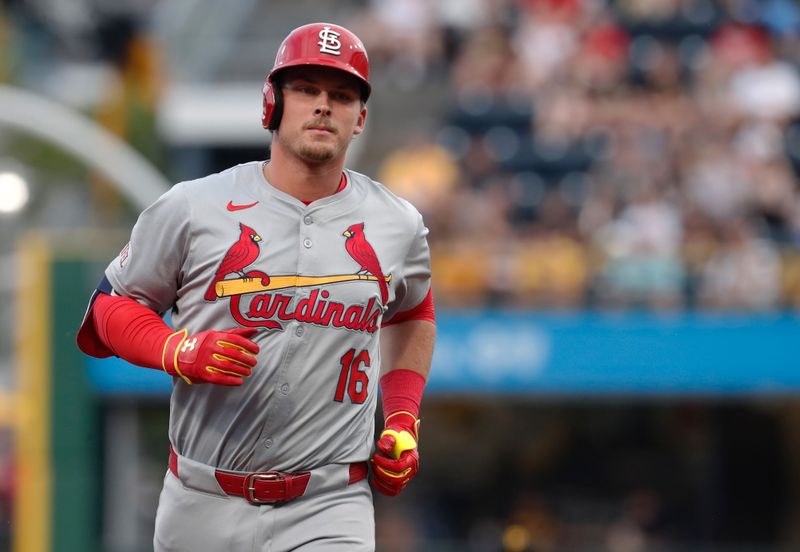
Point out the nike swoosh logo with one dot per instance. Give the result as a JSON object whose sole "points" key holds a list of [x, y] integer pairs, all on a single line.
{"points": [[232, 207]]}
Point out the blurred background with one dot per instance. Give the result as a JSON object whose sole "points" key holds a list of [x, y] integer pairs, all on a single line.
{"points": [[612, 192]]}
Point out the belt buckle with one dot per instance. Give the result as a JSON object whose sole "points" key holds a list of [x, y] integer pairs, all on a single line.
{"points": [[250, 488]]}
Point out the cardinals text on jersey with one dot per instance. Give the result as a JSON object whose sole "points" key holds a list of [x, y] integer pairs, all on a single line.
{"points": [[266, 307]]}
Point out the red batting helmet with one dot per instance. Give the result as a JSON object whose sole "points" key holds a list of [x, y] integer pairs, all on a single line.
{"points": [[323, 44]]}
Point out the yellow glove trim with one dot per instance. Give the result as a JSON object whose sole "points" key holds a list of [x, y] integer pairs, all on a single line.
{"points": [[218, 356], [184, 333], [393, 475], [403, 441], [393, 414], [221, 371], [232, 346]]}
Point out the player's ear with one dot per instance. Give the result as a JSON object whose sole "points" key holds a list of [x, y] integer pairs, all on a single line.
{"points": [[362, 118]]}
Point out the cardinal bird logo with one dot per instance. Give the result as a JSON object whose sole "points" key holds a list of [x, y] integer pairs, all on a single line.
{"points": [[241, 254], [362, 252]]}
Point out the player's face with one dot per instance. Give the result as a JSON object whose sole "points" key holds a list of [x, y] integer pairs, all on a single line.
{"points": [[322, 111]]}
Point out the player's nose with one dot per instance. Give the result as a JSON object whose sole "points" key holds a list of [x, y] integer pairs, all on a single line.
{"points": [[323, 106], [322, 110]]}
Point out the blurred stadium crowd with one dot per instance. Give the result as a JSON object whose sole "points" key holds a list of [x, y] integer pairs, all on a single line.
{"points": [[587, 154], [638, 153]]}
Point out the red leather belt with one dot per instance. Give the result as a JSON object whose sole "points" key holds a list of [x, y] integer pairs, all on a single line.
{"points": [[267, 487]]}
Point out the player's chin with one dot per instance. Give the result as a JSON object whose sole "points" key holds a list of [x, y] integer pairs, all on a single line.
{"points": [[317, 152]]}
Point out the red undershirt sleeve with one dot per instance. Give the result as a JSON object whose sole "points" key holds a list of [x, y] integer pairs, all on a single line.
{"points": [[130, 330], [424, 311]]}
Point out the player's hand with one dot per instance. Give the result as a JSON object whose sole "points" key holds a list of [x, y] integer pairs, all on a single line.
{"points": [[210, 356], [396, 460]]}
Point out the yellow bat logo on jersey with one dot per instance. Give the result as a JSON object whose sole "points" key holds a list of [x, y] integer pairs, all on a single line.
{"points": [[240, 286]]}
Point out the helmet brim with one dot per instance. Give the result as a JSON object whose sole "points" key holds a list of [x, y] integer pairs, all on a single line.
{"points": [[366, 89]]}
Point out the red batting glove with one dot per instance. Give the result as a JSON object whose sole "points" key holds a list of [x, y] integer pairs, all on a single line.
{"points": [[396, 460], [210, 356]]}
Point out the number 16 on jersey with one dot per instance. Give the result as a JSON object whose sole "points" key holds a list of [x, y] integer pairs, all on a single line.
{"points": [[353, 377]]}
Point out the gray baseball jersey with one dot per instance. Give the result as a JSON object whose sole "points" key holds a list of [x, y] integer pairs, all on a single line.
{"points": [[230, 250]]}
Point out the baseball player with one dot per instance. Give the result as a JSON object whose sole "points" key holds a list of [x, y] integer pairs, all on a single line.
{"points": [[298, 288]]}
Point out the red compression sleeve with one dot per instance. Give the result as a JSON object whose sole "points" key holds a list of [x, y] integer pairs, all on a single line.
{"points": [[133, 331], [423, 311], [401, 390]]}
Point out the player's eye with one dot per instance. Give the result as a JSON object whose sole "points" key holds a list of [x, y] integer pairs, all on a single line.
{"points": [[303, 88], [344, 97], [309, 90]]}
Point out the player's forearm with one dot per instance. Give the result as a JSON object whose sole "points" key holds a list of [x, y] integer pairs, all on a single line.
{"points": [[137, 334], [408, 346], [131, 330], [406, 352]]}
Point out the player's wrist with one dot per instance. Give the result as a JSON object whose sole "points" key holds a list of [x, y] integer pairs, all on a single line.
{"points": [[402, 420], [401, 391], [169, 354]]}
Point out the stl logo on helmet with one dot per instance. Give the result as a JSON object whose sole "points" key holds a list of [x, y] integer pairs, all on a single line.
{"points": [[329, 42]]}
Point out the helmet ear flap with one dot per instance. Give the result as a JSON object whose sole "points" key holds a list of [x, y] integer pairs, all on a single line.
{"points": [[273, 105]]}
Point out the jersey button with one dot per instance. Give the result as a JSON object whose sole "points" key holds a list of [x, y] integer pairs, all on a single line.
{"points": [[307, 243], [268, 443], [285, 389], [299, 331], [308, 219]]}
